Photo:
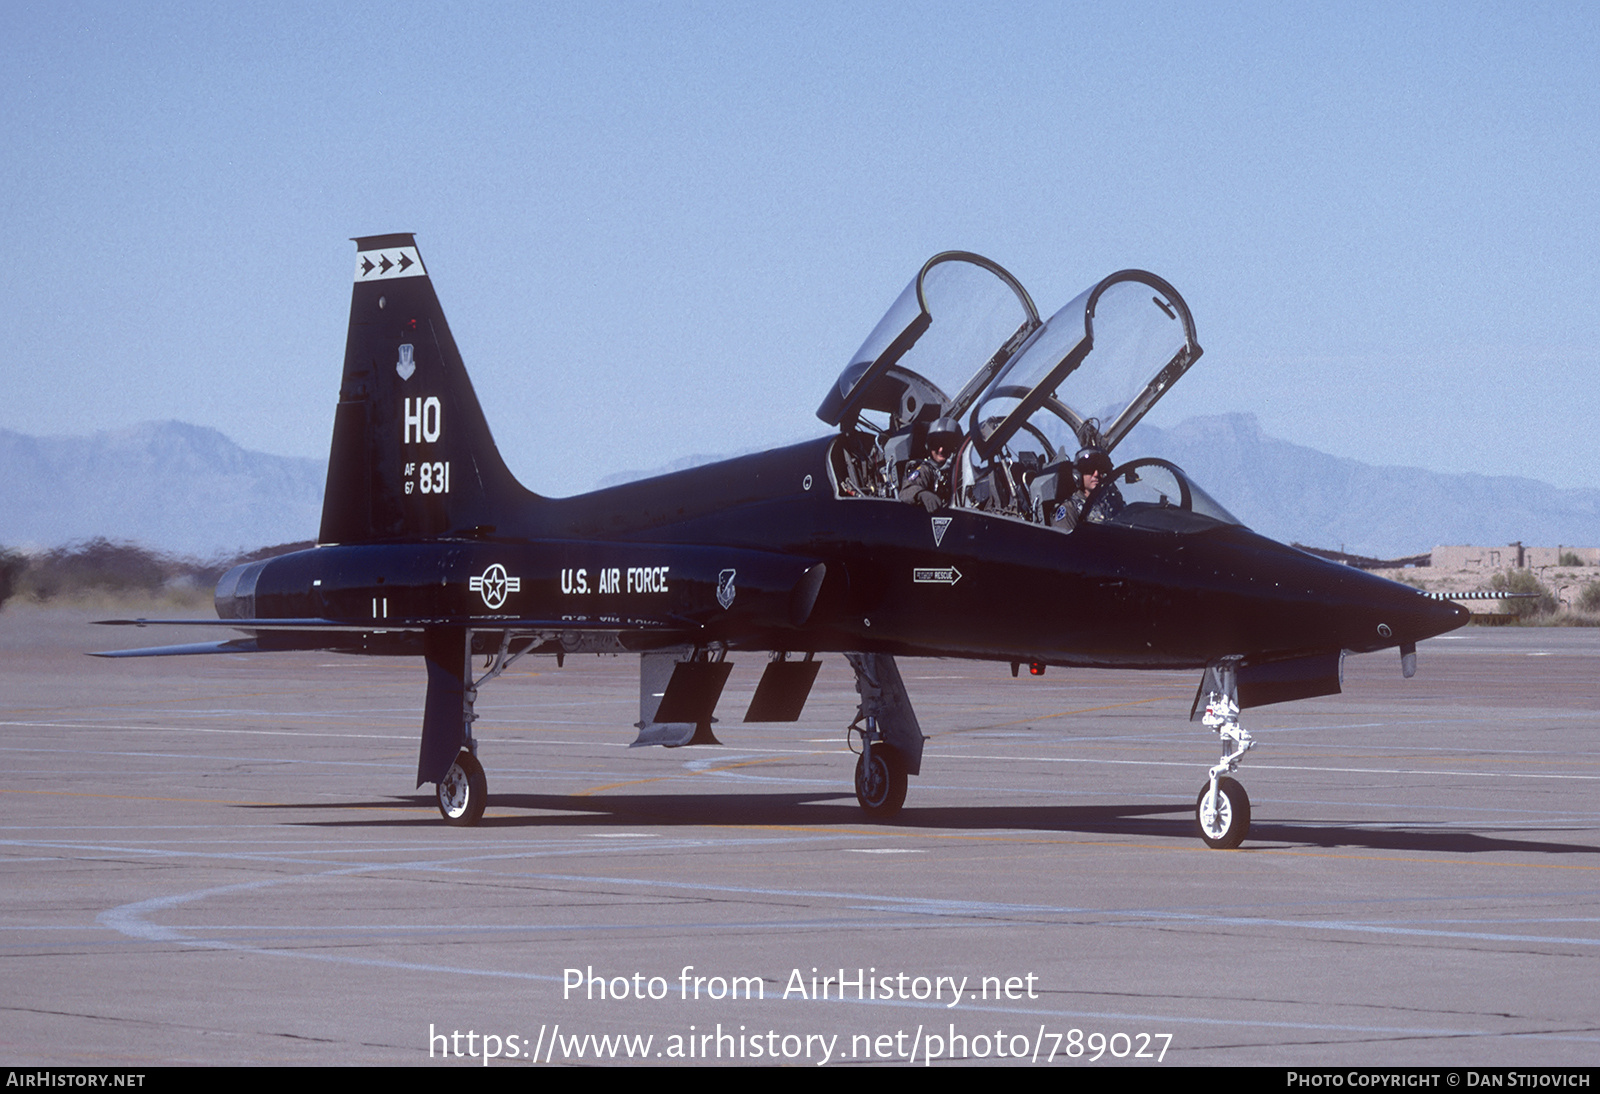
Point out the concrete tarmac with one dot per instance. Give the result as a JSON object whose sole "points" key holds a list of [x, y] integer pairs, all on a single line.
{"points": [[221, 860]]}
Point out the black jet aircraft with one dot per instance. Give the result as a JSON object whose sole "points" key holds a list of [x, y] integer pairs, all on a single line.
{"points": [[1004, 553]]}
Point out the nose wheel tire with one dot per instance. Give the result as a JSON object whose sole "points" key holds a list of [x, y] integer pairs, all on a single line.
{"points": [[881, 782], [463, 792], [1223, 823]]}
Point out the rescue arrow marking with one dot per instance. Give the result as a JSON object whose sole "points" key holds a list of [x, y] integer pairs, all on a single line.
{"points": [[936, 575]]}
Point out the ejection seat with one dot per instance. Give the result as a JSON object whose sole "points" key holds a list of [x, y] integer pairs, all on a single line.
{"points": [[1055, 483]]}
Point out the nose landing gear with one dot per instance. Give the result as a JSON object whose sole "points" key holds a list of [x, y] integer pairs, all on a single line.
{"points": [[1222, 811]]}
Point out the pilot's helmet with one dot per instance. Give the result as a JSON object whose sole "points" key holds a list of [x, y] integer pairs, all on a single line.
{"points": [[946, 432], [1092, 459]]}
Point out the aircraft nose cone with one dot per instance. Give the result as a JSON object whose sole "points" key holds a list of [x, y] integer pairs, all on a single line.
{"points": [[1408, 617], [1445, 615]]}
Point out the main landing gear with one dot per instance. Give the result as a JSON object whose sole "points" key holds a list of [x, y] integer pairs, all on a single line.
{"points": [[1222, 811], [880, 775], [891, 739], [462, 788]]}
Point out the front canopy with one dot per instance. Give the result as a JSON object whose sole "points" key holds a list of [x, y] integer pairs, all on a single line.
{"points": [[1108, 356]]}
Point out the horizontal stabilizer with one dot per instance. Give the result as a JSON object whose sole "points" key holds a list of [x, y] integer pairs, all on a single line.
{"points": [[269, 624], [233, 645]]}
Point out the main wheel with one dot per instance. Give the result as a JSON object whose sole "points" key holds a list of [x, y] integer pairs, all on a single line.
{"points": [[1225, 822], [881, 782], [463, 792]]}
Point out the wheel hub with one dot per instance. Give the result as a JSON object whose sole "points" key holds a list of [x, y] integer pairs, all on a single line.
{"points": [[1216, 814], [453, 792], [874, 780]]}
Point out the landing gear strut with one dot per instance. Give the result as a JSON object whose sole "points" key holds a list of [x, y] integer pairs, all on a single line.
{"points": [[1222, 811], [462, 789]]}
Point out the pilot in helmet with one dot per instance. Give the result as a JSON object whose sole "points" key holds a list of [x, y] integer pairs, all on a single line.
{"points": [[1092, 461], [927, 481], [1094, 470]]}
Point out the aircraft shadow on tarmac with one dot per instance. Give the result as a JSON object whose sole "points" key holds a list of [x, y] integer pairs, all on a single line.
{"points": [[1166, 820]]}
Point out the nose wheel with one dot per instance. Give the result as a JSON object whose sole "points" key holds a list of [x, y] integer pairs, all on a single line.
{"points": [[463, 792], [1222, 815]]}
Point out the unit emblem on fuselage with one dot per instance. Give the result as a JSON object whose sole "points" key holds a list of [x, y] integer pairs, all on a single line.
{"points": [[726, 590]]}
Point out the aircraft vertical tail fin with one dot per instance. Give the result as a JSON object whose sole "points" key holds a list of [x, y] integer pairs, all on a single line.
{"points": [[412, 454]]}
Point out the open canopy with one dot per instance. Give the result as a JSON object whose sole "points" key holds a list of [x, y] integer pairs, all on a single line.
{"points": [[1093, 370], [964, 340], [956, 325]]}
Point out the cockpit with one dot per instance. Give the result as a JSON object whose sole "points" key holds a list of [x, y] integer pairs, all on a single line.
{"points": [[1033, 399]]}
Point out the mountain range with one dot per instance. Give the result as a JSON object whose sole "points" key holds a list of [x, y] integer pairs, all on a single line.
{"points": [[1298, 494], [167, 485], [190, 490]]}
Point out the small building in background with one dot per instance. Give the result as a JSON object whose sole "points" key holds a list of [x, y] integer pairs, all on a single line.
{"points": [[1512, 556]]}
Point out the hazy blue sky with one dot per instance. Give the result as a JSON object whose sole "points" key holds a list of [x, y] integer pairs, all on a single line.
{"points": [[662, 228]]}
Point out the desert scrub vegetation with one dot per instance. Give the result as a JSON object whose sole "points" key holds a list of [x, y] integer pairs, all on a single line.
{"points": [[1585, 609], [12, 565], [1582, 611], [1533, 599], [1538, 608], [106, 571]]}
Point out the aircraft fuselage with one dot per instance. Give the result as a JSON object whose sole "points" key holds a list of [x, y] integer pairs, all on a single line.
{"points": [[982, 586]]}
